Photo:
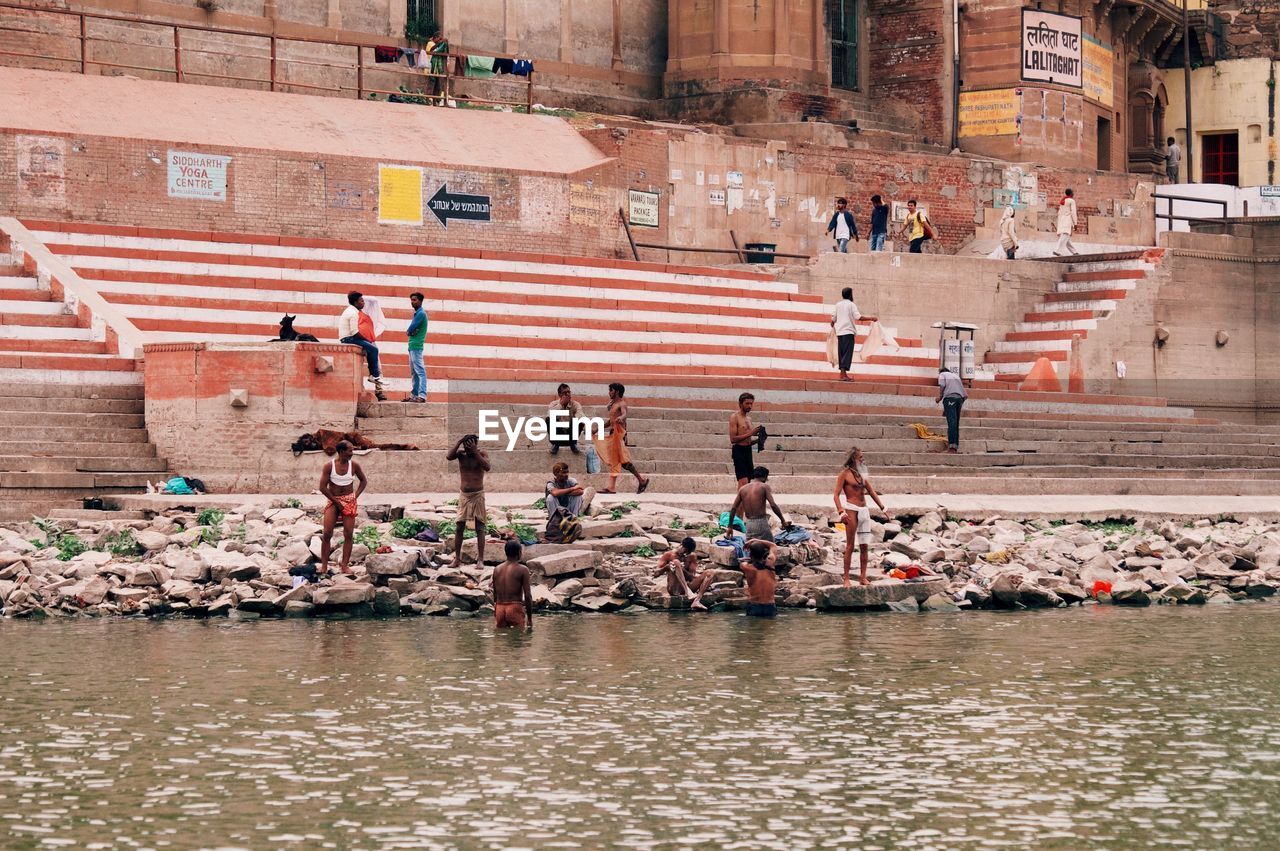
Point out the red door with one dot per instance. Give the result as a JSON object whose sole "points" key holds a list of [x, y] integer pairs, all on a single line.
{"points": [[1220, 158]]}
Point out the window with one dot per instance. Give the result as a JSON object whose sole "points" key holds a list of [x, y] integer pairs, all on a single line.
{"points": [[421, 20], [1104, 144], [844, 43], [1220, 158]]}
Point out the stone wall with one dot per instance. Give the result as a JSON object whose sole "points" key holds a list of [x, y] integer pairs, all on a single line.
{"points": [[1253, 27]]}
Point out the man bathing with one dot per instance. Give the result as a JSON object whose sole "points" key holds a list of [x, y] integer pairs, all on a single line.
{"points": [[853, 485], [683, 579], [338, 485], [762, 578], [613, 448], [751, 503], [473, 463], [741, 435], [512, 596]]}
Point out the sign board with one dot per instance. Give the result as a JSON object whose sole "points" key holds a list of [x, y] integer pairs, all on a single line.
{"points": [[202, 177], [990, 113], [1001, 198], [399, 195], [1051, 48], [1099, 71], [446, 205], [1269, 191], [716, 197], [642, 208]]}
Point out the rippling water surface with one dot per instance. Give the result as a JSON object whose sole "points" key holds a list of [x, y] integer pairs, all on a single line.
{"points": [[1083, 728]]}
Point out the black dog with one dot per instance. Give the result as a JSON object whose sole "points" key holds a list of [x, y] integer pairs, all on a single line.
{"points": [[288, 335]]}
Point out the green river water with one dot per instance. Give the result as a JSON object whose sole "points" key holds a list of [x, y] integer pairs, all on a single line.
{"points": [[1095, 727]]}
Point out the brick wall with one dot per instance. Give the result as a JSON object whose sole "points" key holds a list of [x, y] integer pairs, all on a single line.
{"points": [[908, 63], [1253, 27]]}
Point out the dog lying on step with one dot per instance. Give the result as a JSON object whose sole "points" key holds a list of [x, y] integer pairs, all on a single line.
{"points": [[288, 335], [326, 440]]}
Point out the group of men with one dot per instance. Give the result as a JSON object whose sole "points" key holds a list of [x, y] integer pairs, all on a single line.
{"points": [[915, 228], [363, 322]]}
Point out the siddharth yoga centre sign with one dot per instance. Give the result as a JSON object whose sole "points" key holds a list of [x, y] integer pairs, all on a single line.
{"points": [[1051, 48]]}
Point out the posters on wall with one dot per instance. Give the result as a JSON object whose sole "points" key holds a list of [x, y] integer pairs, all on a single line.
{"points": [[42, 169], [1052, 48], [994, 112], [201, 177], [642, 208], [1098, 71], [399, 194]]}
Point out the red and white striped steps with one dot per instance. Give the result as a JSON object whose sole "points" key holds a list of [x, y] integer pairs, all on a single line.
{"points": [[1087, 294], [487, 309]]}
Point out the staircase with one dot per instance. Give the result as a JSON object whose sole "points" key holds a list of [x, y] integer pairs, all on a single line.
{"points": [[71, 412], [1086, 295]]}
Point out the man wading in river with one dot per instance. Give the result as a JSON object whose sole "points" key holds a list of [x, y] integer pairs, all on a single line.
{"points": [[512, 596], [762, 580]]}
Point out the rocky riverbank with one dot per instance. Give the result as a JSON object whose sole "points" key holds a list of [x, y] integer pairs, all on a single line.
{"points": [[237, 563]]}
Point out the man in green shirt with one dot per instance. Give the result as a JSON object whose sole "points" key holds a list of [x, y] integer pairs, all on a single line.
{"points": [[417, 343]]}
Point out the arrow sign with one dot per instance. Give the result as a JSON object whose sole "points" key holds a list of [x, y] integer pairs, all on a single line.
{"points": [[471, 208]]}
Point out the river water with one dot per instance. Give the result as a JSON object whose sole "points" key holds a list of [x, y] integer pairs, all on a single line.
{"points": [[1096, 727]]}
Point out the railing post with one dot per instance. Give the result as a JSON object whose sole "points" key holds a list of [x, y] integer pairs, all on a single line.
{"points": [[359, 74], [177, 53], [273, 63], [528, 105], [84, 46]]}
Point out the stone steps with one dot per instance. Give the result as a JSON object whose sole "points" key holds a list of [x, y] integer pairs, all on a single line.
{"points": [[81, 464], [70, 420]]}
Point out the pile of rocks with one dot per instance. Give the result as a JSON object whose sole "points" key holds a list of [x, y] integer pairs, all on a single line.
{"points": [[239, 563]]}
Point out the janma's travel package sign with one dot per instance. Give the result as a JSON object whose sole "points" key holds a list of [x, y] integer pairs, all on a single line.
{"points": [[1052, 49]]}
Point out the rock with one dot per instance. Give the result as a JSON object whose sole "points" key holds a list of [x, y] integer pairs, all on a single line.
{"points": [[724, 557], [298, 609], [1070, 594], [94, 558], [386, 603], [142, 574], [134, 594], [94, 590], [283, 516], [627, 589], [1257, 588], [976, 595], [1185, 595], [928, 523], [599, 601], [569, 588], [978, 544], [1219, 598], [391, 564], [1128, 593], [294, 553], [259, 605], [151, 541], [1004, 590], [228, 565], [544, 597], [607, 528], [222, 605], [571, 561], [939, 603], [342, 593], [181, 589], [1035, 596], [908, 605], [877, 595]]}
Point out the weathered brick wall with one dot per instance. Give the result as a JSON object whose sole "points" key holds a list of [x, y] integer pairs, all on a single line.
{"points": [[908, 63], [125, 181], [1253, 27]]}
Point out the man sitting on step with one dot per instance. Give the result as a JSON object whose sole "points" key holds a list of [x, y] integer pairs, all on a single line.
{"points": [[358, 326]]}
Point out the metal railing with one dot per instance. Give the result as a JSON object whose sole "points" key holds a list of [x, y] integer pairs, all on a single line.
{"points": [[72, 29], [1169, 216]]}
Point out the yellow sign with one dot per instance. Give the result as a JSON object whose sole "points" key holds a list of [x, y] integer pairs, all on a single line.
{"points": [[399, 195], [1099, 71], [990, 113]]}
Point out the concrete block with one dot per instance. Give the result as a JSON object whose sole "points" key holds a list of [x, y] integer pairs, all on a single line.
{"points": [[877, 595], [570, 561]]}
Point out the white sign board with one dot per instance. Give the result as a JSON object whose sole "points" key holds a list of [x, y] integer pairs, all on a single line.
{"points": [[643, 208], [1052, 49], [199, 176], [1269, 191]]}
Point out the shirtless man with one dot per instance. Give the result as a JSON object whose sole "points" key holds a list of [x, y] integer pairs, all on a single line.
{"points": [[741, 436], [853, 485], [681, 567], [762, 580], [613, 448], [750, 505], [512, 597], [473, 463]]}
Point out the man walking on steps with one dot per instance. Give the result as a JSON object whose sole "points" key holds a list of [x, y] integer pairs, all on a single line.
{"points": [[843, 226], [951, 394], [844, 320], [613, 447], [1066, 223], [357, 327]]}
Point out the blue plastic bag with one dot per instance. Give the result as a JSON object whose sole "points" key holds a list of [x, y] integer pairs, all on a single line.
{"points": [[593, 460]]}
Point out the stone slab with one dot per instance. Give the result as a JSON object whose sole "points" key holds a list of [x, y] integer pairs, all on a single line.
{"points": [[877, 595]]}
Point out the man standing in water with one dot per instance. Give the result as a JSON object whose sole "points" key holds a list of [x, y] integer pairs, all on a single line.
{"points": [[750, 505], [613, 448], [512, 596], [853, 485], [741, 435], [337, 484], [473, 463], [762, 579]]}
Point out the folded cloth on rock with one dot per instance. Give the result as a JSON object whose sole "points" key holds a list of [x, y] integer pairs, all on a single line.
{"points": [[922, 432]]}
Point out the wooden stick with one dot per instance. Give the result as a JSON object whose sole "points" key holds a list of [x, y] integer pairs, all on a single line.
{"points": [[626, 226]]}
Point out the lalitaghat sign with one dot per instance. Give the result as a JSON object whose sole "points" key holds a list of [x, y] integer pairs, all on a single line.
{"points": [[199, 176], [1052, 49]]}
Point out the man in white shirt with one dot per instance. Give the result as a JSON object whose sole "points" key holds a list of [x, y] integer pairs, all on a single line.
{"points": [[951, 394], [844, 321], [1173, 159], [1066, 223], [356, 327], [843, 226]]}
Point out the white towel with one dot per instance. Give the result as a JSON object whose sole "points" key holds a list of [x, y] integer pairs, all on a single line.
{"points": [[373, 310]]}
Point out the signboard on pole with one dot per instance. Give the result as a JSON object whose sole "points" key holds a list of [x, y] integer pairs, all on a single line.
{"points": [[642, 208], [1052, 49], [202, 177]]}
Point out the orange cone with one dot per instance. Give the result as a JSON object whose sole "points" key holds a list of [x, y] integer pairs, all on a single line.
{"points": [[1042, 378]]}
